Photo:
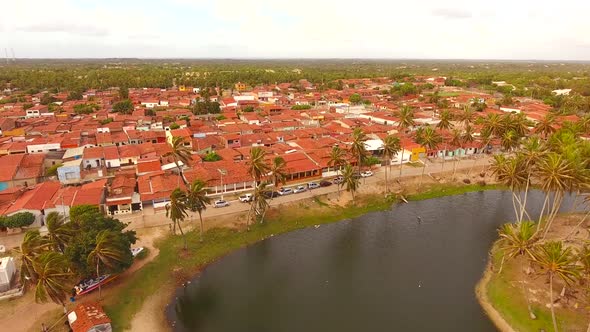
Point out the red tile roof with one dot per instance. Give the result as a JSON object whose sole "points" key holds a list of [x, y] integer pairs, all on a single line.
{"points": [[88, 315]]}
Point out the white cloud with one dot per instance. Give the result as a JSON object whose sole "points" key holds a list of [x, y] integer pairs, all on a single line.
{"points": [[304, 28]]}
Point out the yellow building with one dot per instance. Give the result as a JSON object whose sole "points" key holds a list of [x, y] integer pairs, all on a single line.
{"points": [[240, 86], [182, 88], [417, 153]]}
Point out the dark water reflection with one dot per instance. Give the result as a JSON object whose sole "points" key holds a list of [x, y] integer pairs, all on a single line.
{"points": [[384, 271]]}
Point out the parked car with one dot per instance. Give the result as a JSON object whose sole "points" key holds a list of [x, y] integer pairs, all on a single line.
{"points": [[285, 191], [338, 180], [299, 189], [325, 183], [313, 185], [220, 203], [366, 174], [270, 194], [245, 198]]}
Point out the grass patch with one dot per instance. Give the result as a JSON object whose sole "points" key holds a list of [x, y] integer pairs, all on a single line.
{"points": [[507, 297], [172, 266], [441, 190], [448, 94]]}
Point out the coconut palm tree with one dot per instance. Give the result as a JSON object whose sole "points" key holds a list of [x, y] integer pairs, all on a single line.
{"points": [[510, 140], [32, 246], [533, 149], [467, 116], [391, 147], [259, 205], [54, 279], [511, 172], [518, 239], [180, 153], [557, 261], [406, 121], [358, 149], [278, 171], [337, 159], [197, 200], [443, 125], [545, 126], [430, 139], [107, 253], [456, 142], [519, 123], [59, 232], [176, 210], [555, 175], [351, 181], [257, 166], [494, 123]]}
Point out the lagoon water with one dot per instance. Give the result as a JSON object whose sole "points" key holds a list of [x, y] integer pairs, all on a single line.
{"points": [[412, 268]]}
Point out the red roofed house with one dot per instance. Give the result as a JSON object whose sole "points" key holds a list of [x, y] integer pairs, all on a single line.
{"points": [[155, 188], [299, 167], [89, 317], [34, 201], [122, 198]]}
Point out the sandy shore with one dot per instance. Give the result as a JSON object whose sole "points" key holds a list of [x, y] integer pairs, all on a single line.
{"points": [[482, 297]]}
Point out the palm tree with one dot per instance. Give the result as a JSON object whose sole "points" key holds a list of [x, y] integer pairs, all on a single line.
{"points": [[197, 200], [510, 140], [358, 149], [259, 204], [557, 261], [54, 280], [457, 142], [391, 147], [445, 124], [518, 240], [512, 173], [532, 151], [59, 232], [32, 246], [467, 116], [278, 171], [555, 175], [351, 181], [107, 252], [545, 126], [180, 153], [337, 159], [406, 121], [494, 123], [176, 210], [430, 139], [519, 123], [257, 167]]}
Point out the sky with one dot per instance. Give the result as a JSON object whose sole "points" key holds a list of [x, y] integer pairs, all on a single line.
{"points": [[420, 29]]}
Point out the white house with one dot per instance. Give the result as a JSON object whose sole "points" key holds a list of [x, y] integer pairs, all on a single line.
{"points": [[43, 147], [7, 272], [562, 92]]}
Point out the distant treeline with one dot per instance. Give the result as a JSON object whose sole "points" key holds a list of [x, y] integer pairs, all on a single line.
{"points": [[80, 74]]}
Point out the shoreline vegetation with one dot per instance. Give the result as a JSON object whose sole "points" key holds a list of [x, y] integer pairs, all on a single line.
{"points": [[505, 295], [157, 280]]}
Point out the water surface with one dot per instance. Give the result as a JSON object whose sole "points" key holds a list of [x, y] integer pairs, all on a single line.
{"points": [[413, 268]]}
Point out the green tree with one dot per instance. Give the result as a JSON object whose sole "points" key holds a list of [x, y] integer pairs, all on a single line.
{"points": [[355, 98], [358, 148], [197, 201], [176, 211], [405, 122], [212, 156], [391, 147], [556, 261], [519, 239], [430, 139], [337, 158], [278, 171], [257, 166], [54, 280], [108, 253], [545, 126], [351, 180], [59, 232], [180, 153], [123, 106], [124, 92], [31, 247], [20, 220]]}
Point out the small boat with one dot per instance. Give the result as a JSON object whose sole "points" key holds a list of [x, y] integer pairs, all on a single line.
{"points": [[136, 251], [88, 285]]}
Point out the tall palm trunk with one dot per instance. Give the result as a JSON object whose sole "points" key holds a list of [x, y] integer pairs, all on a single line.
{"points": [[386, 187], [423, 170], [180, 172], [401, 163], [578, 226], [201, 222], [99, 284], [551, 304], [183, 235]]}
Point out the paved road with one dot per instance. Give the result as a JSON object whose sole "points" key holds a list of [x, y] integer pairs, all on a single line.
{"points": [[151, 218]]}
